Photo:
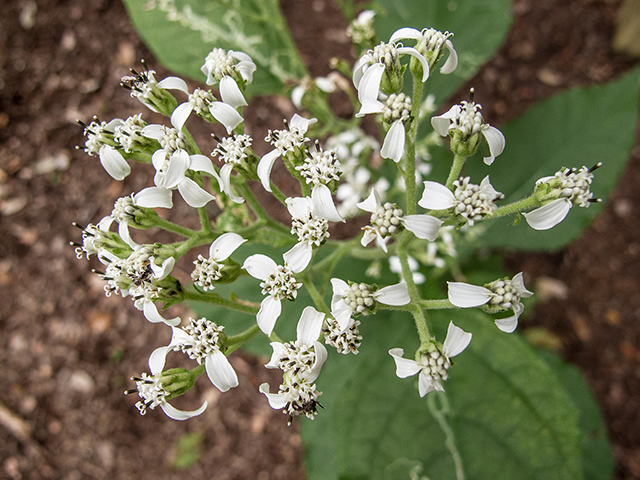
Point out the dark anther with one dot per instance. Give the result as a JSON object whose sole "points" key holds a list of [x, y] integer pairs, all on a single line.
{"points": [[595, 167]]}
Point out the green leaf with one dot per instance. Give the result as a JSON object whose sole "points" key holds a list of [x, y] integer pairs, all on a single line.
{"points": [[575, 128], [189, 450], [479, 28], [504, 410], [597, 461], [181, 33]]}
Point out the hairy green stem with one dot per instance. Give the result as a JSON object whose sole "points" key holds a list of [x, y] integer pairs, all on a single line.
{"points": [[516, 207], [173, 227], [407, 274], [456, 168], [215, 299], [236, 341], [315, 295], [439, 304]]}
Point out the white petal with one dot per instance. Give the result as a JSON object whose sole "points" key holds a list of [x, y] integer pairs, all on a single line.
{"points": [[507, 325], [393, 145], [361, 66], [371, 203], [423, 61], [123, 231], [323, 204], [220, 371], [153, 131], [174, 83], [225, 183], [518, 282], [405, 32], [157, 359], [194, 194], [153, 197], [277, 401], [423, 226], [201, 163], [178, 165], [548, 215], [452, 62], [309, 326], [321, 356], [367, 237], [230, 92], [426, 384], [226, 115], [487, 189], [299, 207], [223, 246], [298, 257], [325, 84], [442, 122], [180, 115], [340, 288], [114, 163], [270, 309], [163, 271], [397, 294], [341, 312], [278, 351], [369, 89], [301, 122], [456, 341], [436, 196], [464, 295], [176, 414], [260, 266], [179, 337], [158, 158], [296, 96], [151, 313], [404, 366], [496, 142], [264, 168]]}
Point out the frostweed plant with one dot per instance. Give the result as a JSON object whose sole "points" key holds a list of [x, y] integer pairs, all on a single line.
{"points": [[413, 228]]}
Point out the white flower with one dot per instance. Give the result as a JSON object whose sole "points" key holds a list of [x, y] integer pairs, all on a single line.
{"points": [[153, 391], [233, 152], [467, 121], [145, 88], [300, 362], [369, 70], [304, 357], [205, 104], [209, 270], [568, 187], [94, 237], [101, 141], [430, 41], [397, 111], [278, 282], [497, 296], [473, 202], [138, 276], [396, 267], [228, 68], [325, 84], [361, 28], [360, 298], [347, 341], [284, 141], [200, 340], [386, 220], [311, 229], [172, 162], [433, 365]]}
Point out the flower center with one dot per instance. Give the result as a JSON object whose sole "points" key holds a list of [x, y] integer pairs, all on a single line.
{"points": [[575, 185], [286, 140], [301, 399], [469, 121], [206, 272], [233, 149], [150, 391], [321, 167], [505, 294], [344, 342], [297, 358], [124, 210], [360, 299], [281, 284], [129, 134], [310, 229], [204, 339], [386, 219], [200, 100], [385, 53], [220, 63], [435, 364], [472, 201], [398, 108], [172, 140]]}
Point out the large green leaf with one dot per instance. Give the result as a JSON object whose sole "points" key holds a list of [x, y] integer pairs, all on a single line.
{"points": [[479, 27], [181, 33], [504, 411], [578, 127]]}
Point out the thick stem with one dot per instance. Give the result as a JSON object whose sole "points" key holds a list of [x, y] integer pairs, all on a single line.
{"points": [[456, 168], [173, 227], [236, 341], [436, 304], [215, 299], [409, 159], [516, 207], [315, 295], [407, 274]]}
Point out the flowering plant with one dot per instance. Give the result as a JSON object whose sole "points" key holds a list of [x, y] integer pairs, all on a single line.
{"points": [[393, 267]]}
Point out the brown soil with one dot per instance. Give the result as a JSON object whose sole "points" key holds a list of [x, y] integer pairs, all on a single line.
{"points": [[67, 351]]}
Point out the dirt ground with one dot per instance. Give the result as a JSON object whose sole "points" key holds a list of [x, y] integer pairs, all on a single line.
{"points": [[67, 351]]}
